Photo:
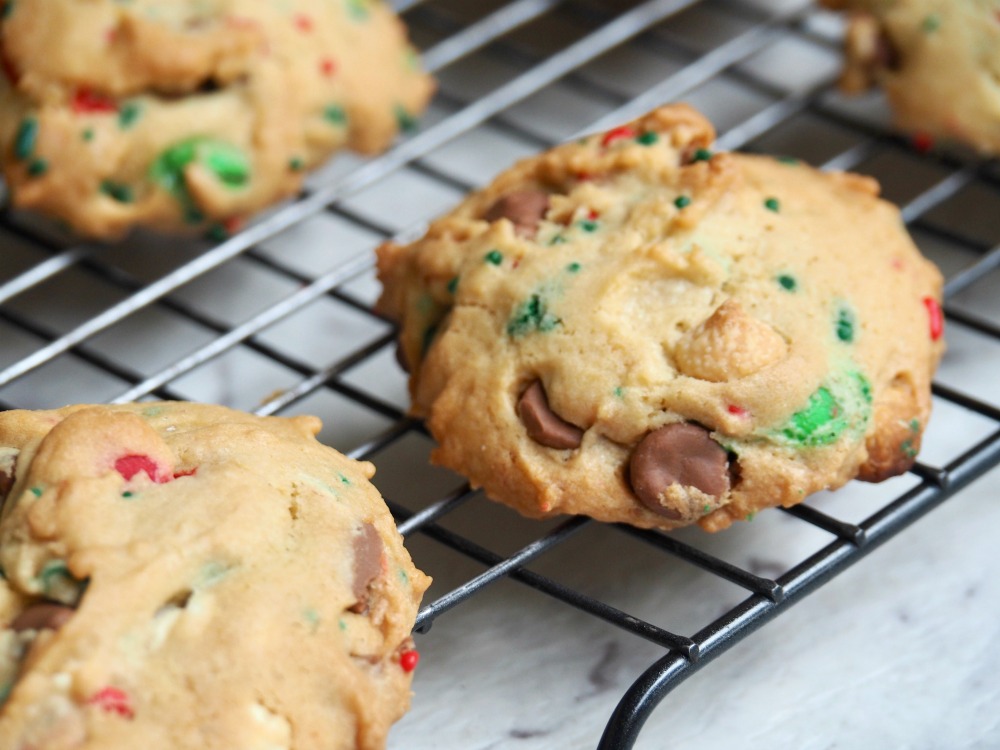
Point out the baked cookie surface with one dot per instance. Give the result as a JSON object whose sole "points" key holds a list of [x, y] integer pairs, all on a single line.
{"points": [[192, 114], [938, 63], [188, 576], [637, 329]]}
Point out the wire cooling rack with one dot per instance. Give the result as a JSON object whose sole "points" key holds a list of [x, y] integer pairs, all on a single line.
{"points": [[278, 319]]}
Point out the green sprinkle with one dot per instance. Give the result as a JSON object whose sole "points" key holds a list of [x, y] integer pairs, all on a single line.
{"points": [[701, 154], [357, 9], [335, 114], [788, 282], [36, 491], [574, 267], [87, 134], [311, 616], [588, 226], [341, 624], [495, 257], [772, 204], [117, 191], [915, 425], [908, 450], [128, 115], [38, 167], [845, 325], [706, 509], [403, 577], [931, 23], [751, 516], [404, 119], [26, 137], [682, 201], [344, 480], [790, 160], [557, 240], [531, 316], [648, 139], [216, 233], [453, 285], [127, 495], [619, 392], [296, 164]]}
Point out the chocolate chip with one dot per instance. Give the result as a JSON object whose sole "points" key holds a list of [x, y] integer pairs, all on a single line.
{"points": [[886, 54], [524, 209], [544, 426], [42, 617], [680, 453], [367, 564], [6, 482]]}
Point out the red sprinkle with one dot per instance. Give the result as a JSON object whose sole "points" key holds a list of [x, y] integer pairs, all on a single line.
{"points": [[922, 142], [129, 466], [738, 411], [113, 701], [592, 215], [617, 134], [327, 66], [935, 316], [303, 22], [85, 100], [584, 176], [408, 660], [186, 473]]}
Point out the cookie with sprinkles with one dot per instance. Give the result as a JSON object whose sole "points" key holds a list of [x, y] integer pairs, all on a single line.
{"points": [[937, 63], [188, 576], [189, 115], [638, 328]]}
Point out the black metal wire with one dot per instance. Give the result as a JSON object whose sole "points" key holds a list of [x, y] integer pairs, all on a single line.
{"points": [[606, 27]]}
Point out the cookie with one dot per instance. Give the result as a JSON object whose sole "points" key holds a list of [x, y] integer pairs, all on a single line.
{"points": [[183, 114], [937, 62], [640, 329], [188, 576]]}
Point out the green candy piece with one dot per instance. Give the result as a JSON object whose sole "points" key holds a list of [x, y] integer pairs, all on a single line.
{"points": [[827, 415], [820, 423], [117, 191], [227, 162], [845, 325], [129, 115], [335, 114], [59, 584], [787, 282]]}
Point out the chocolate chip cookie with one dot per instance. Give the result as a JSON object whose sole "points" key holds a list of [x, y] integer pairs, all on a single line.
{"points": [[187, 576], [938, 63], [183, 114], [638, 328]]}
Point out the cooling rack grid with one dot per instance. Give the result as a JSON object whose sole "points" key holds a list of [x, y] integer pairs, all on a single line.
{"points": [[539, 628]]}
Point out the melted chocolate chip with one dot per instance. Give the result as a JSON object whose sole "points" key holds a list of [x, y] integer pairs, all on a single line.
{"points": [[42, 617], [525, 209], [680, 453], [886, 54], [367, 564], [6, 482], [544, 426]]}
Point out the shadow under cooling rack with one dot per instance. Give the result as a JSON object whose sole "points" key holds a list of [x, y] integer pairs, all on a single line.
{"points": [[279, 319]]}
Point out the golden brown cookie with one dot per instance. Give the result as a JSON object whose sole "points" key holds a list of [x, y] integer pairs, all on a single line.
{"points": [[188, 576], [636, 328], [186, 114], [938, 63]]}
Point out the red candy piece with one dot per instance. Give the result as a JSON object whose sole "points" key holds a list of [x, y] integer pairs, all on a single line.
{"points": [[922, 142], [738, 411], [85, 100], [113, 701], [408, 660], [935, 316], [617, 134], [327, 66], [129, 466]]}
